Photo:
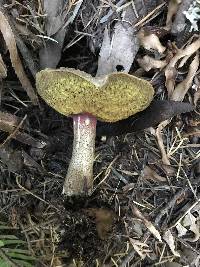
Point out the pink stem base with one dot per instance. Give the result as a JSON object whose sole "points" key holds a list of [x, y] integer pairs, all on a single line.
{"points": [[79, 178]]}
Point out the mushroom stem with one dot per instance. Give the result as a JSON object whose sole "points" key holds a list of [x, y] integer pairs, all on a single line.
{"points": [[79, 179]]}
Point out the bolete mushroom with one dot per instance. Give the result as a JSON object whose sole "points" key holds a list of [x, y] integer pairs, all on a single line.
{"points": [[108, 98]]}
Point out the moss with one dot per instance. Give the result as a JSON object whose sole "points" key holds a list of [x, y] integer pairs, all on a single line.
{"points": [[109, 98]]}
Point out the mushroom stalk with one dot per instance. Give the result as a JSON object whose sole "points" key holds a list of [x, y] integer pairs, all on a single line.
{"points": [[79, 178]]}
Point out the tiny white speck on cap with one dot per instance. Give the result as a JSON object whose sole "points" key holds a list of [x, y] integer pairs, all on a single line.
{"points": [[87, 122]]}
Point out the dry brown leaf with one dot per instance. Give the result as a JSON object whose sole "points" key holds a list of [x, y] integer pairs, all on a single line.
{"points": [[172, 9], [180, 21], [192, 224], [197, 96], [9, 121], [3, 69], [55, 28], [30, 162], [12, 124], [149, 173], [181, 230], [104, 219], [15, 59], [141, 248], [169, 239], [148, 63], [161, 146], [171, 67], [11, 158], [170, 75], [150, 41], [191, 221], [147, 223], [182, 88], [192, 257], [183, 61]]}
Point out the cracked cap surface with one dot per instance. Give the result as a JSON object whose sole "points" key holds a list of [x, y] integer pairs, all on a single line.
{"points": [[110, 98]]}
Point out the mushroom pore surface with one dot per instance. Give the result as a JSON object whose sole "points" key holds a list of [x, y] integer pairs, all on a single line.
{"points": [[109, 98]]}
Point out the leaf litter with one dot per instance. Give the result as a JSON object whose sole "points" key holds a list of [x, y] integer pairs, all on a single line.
{"points": [[145, 207]]}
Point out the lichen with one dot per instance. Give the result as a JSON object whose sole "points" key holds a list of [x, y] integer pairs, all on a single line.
{"points": [[109, 98]]}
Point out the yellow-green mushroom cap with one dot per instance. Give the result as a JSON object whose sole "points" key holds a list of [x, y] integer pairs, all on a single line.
{"points": [[109, 98]]}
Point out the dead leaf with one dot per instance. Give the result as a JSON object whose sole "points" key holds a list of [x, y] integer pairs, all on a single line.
{"points": [[172, 10], [54, 16], [180, 22], [149, 173], [169, 239], [192, 257], [11, 158], [147, 223], [15, 59], [161, 146], [104, 219], [182, 88], [30, 162], [3, 69], [188, 220], [196, 208], [150, 41], [170, 76], [55, 30], [137, 227], [197, 96], [9, 120], [148, 63], [12, 124], [118, 52], [171, 68], [141, 248], [181, 230], [191, 221]]}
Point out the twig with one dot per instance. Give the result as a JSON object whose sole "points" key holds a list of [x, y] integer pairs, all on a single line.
{"points": [[111, 11], [12, 135], [169, 205], [128, 258], [142, 21], [29, 192], [185, 213]]}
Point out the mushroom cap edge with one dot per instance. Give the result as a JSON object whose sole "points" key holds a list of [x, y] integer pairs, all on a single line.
{"points": [[110, 98]]}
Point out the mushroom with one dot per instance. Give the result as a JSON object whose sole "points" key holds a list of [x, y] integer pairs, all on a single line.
{"points": [[86, 99]]}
